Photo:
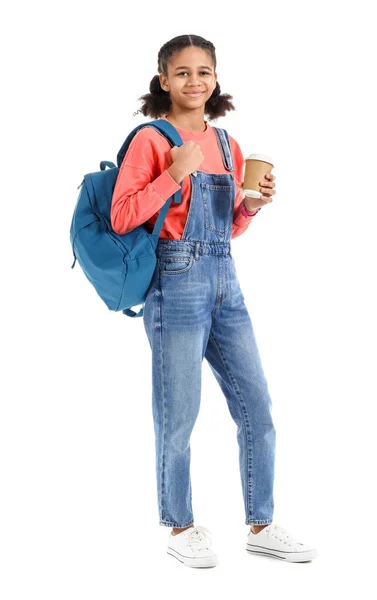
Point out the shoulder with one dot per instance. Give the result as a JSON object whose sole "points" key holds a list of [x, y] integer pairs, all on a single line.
{"points": [[235, 147], [146, 145], [150, 135], [238, 158]]}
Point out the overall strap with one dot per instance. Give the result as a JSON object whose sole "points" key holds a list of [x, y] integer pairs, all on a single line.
{"points": [[224, 144]]}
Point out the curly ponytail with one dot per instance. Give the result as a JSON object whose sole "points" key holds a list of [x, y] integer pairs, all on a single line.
{"points": [[158, 103]]}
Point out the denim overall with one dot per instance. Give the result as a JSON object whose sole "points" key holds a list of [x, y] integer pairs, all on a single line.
{"points": [[195, 308]]}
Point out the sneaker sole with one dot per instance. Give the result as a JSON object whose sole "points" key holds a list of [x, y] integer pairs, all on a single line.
{"points": [[200, 562], [288, 556]]}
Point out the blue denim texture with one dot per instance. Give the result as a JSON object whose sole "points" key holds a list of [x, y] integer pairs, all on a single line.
{"points": [[195, 308]]}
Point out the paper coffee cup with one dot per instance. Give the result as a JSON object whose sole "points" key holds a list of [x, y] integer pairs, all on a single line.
{"points": [[256, 167]]}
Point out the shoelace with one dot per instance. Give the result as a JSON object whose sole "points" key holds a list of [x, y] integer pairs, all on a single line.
{"points": [[198, 537], [282, 533]]}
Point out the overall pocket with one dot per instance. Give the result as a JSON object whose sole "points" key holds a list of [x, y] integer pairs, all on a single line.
{"points": [[174, 263], [218, 207]]}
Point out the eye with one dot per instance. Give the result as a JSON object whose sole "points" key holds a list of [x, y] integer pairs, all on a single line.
{"points": [[205, 72]]}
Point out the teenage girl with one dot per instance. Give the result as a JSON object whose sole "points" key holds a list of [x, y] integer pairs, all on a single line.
{"points": [[194, 307]]}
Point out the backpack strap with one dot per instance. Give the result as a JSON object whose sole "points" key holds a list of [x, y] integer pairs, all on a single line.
{"points": [[167, 130], [171, 134]]}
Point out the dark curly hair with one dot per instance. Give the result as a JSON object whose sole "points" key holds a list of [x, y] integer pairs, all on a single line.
{"points": [[158, 103]]}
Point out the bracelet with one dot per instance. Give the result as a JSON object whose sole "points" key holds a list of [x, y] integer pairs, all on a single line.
{"points": [[247, 213]]}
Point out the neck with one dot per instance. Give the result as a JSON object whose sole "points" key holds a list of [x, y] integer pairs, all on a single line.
{"points": [[190, 122]]}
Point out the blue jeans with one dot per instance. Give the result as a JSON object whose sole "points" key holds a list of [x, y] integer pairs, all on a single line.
{"points": [[190, 312]]}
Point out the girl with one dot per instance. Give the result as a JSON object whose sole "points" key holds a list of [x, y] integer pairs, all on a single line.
{"points": [[194, 307]]}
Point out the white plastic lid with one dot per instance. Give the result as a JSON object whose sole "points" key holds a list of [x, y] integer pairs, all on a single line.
{"points": [[253, 193], [263, 157]]}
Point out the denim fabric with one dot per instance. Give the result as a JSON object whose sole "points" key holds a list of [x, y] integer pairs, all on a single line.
{"points": [[194, 309]]}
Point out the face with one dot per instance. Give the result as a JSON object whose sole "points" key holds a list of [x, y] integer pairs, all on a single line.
{"points": [[191, 78]]}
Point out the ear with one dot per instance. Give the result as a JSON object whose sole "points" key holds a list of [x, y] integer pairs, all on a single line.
{"points": [[164, 82], [215, 80]]}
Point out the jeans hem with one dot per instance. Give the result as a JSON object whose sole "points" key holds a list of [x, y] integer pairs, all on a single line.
{"points": [[178, 525], [258, 522]]}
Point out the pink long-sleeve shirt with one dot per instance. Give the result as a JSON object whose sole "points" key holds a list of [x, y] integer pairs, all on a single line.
{"points": [[144, 184]]}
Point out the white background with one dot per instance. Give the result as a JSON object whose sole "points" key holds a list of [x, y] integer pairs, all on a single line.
{"points": [[78, 509]]}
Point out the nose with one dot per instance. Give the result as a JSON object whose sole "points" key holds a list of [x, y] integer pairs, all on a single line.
{"points": [[193, 79]]}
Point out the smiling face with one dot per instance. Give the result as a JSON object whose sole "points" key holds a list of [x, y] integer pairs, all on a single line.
{"points": [[191, 78]]}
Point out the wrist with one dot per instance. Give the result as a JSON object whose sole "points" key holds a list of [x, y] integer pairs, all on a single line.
{"points": [[176, 173], [248, 211]]}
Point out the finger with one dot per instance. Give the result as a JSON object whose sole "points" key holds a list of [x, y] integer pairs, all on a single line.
{"points": [[266, 181]]}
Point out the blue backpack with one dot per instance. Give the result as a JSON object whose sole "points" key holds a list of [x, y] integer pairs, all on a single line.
{"points": [[120, 267]]}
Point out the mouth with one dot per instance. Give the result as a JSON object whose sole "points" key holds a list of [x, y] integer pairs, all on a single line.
{"points": [[194, 94]]}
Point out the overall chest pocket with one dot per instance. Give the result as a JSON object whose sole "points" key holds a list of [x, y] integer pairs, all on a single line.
{"points": [[174, 263], [218, 207]]}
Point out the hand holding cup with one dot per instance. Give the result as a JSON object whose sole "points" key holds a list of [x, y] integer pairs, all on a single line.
{"points": [[258, 181]]}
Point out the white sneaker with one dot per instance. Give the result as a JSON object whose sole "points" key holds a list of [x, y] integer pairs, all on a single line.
{"points": [[192, 547], [277, 542]]}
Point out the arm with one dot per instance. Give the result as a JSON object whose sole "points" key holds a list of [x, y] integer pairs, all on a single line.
{"points": [[242, 216], [137, 194]]}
